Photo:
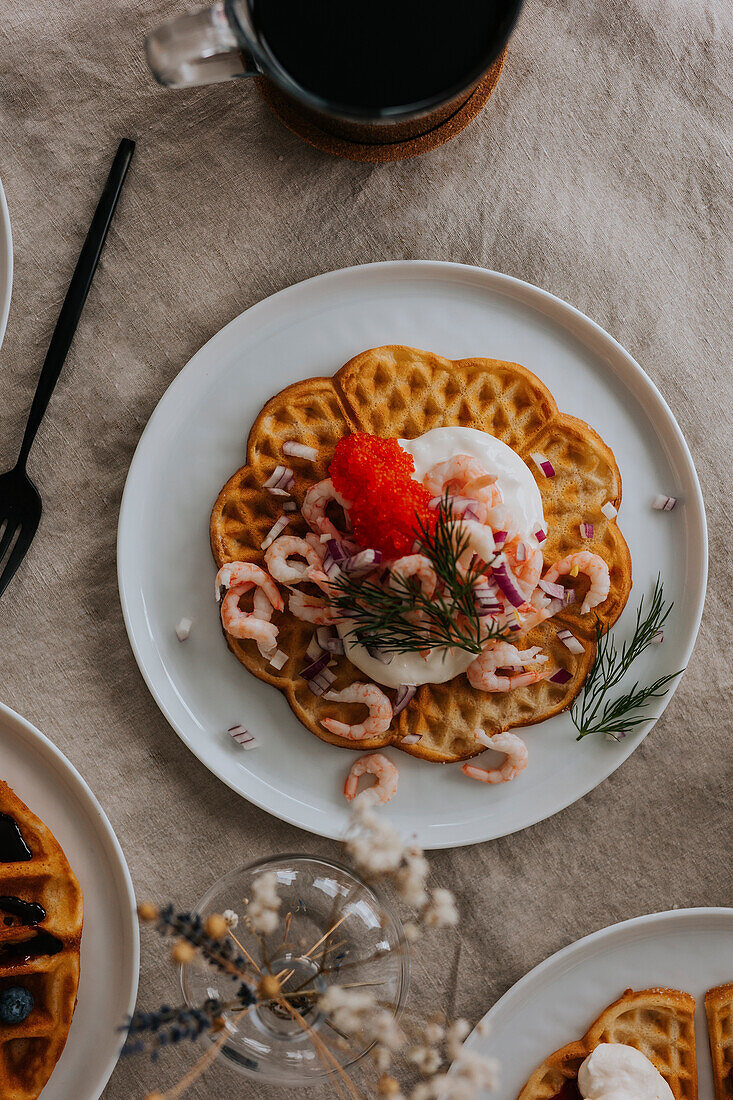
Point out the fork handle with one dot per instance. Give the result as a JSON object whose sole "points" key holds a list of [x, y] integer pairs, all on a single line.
{"points": [[76, 295]]}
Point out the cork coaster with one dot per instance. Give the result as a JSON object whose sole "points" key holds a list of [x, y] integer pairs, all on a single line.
{"points": [[370, 146]]}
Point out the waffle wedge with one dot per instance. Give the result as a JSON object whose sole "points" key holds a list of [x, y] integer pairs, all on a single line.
{"points": [[403, 392], [719, 1010], [39, 952], [658, 1022]]}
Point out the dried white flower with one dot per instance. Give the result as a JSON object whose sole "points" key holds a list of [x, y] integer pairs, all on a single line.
{"points": [[264, 909], [455, 1034], [478, 1069], [410, 879], [357, 1012], [441, 911], [425, 1058], [382, 1058], [372, 843], [412, 931], [434, 1032], [231, 919]]}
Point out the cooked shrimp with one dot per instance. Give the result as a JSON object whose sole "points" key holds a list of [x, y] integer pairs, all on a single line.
{"points": [[286, 572], [415, 565], [385, 772], [594, 567], [314, 508], [312, 610], [516, 758], [243, 575], [526, 573], [247, 624], [463, 475], [536, 610], [482, 672], [501, 518], [263, 609], [479, 541], [380, 712]]}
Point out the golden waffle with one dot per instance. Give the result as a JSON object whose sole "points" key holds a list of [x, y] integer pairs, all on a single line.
{"points": [[719, 1009], [658, 1022], [30, 1050], [402, 392]]}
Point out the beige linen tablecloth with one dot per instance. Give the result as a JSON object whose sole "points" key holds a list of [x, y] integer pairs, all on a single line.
{"points": [[599, 170]]}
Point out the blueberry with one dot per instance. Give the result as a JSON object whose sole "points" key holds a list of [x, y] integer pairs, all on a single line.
{"points": [[16, 1004]]}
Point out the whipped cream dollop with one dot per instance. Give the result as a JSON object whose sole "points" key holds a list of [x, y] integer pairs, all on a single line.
{"points": [[614, 1071], [520, 494]]}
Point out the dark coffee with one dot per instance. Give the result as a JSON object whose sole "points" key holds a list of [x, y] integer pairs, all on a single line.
{"points": [[378, 54]]}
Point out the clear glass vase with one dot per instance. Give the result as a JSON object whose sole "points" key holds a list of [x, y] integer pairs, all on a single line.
{"points": [[334, 929]]}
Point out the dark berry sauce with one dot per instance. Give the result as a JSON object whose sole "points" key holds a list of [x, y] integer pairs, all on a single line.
{"points": [[13, 849], [27, 912]]}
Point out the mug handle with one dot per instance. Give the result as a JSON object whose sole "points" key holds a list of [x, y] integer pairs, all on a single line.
{"points": [[200, 47]]}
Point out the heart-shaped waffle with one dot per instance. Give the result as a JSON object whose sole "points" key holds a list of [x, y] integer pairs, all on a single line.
{"points": [[658, 1022], [403, 392], [42, 955]]}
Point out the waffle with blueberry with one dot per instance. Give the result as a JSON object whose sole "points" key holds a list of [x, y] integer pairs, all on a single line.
{"points": [[41, 917]]}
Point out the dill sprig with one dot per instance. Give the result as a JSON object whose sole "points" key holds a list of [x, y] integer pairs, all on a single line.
{"points": [[401, 618], [595, 713]]}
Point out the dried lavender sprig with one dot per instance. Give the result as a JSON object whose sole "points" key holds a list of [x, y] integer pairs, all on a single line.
{"points": [[189, 926], [168, 1026]]}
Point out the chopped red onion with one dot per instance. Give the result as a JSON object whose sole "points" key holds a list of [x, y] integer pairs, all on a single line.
{"points": [[329, 641], [663, 504], [555, 590], [587, 530], [500, 536], [540, 535], [561, 676], [543, 464], [405, 693], [312, 670], [299, 450], [290, 506], [509, 670], [279, 492], [500, 573], [184, 629], [279, 659], [521, 552], [471, 516], [434, 503], [322, 681], [411, 739], [657, 639], [379, 655], [609, 511], [363, 561], [243, 737], [313, 650], [336, 550], [459, 505], [569, 596], [282, 477], [330, 567], [277, 529], [570, 642]]}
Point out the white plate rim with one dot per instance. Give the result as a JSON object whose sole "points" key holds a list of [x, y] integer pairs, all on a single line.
{"points": [[6, 239], [581, 946], [551, 306], [117, 863]]}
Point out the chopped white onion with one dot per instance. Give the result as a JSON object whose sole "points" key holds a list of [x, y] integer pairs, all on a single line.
{"points": [[279, 659], [277, 529], [609, 511], [282, 477], [663, 504], [278, 492], [299, 450], [555, 590], [184, 629], [657, 639], [411, 739], [313, 650]]}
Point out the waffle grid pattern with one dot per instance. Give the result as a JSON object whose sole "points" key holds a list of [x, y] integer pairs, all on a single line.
{"points": [[658, 1022], [719, 1010], [30, 1050], [404, 392]]}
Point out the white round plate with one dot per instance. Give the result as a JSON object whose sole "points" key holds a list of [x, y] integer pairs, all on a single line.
{"points": [[688, 949], [196, 439], [6, 263], [110, 951]]}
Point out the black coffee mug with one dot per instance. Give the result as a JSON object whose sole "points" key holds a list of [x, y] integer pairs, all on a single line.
{"points": [[388, 69]]}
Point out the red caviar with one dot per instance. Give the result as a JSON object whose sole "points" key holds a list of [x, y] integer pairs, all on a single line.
{"points": [[375, 475]]}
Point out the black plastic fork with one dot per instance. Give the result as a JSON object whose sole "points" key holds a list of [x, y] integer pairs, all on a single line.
{"points": [[20, 501]]}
